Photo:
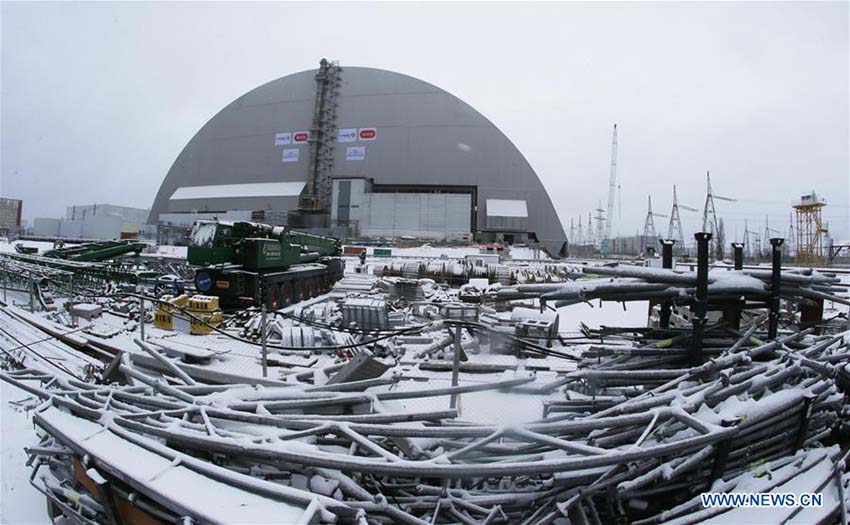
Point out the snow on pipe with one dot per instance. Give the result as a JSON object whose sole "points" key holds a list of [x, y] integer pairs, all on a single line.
{"points": [[634, 283], [169, 392], [753, 386], [183, 376]]}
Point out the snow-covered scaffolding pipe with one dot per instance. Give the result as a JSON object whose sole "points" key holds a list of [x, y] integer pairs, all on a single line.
{"points": [[580, 290], [183, 376], [653, 275], [794, 277], [156, 384], [566, 467], [353, 399]]}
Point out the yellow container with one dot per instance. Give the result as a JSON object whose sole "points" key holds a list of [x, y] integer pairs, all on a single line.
{"points": [[203, 303], [164, 317], [163, 320], [206, 312], [196, 327]]}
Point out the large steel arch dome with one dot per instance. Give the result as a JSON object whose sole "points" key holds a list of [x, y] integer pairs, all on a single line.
{"points": [[426, 137]]}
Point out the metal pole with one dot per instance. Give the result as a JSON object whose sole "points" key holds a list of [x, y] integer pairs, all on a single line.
{"points": [[723, 448], [732, 311], [73, 313], [456, 366], [263, 339], [738, 248], [5, 279], [775, 279], [701, 303], [176, 370], [666, 262], [838, 471], [142, 317], [29, 291]]}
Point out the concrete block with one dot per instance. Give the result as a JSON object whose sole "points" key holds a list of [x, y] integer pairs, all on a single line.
{"points": [[87, 310]]}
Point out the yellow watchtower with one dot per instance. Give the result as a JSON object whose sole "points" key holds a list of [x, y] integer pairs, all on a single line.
{"points": [[810, 229]]}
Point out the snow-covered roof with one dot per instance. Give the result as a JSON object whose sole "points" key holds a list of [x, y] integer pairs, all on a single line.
{"points": [[506, 208], [259, 189]]}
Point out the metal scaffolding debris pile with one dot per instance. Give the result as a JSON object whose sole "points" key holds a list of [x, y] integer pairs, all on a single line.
{"points": [[637, 283], [409, 402], [458, 272], [625, 434]]}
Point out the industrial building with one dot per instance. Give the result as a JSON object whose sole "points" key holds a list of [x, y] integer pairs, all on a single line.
{"points": [[93, 221], [10, 214], [377, 153]]}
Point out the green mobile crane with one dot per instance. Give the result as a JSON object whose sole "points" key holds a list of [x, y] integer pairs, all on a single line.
{"points": [[247, 263]]}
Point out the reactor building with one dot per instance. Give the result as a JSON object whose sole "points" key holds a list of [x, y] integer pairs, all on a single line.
{"points": [[374, 153]]}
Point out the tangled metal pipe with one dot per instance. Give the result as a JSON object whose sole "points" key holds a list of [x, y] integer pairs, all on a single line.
{"points": [[664, 435], [637, 283]]}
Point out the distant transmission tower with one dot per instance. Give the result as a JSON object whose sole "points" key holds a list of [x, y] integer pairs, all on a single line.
{"points": [[709, 217], [600, 224], [674, 230], [649, 235], [580, 236], [768, 233], [589, 230], [606, 240]]}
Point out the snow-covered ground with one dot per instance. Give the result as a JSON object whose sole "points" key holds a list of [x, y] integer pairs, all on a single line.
{"points": [[20, 502], [608, 314]]}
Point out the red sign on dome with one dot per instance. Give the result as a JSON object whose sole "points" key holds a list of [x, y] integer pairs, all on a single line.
{"points": [[368, 133]]}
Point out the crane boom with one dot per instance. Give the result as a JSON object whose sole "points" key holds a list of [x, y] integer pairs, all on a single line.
{"points": [[611, 189]]}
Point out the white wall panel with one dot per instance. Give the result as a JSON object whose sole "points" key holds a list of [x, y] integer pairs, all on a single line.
{"points": [[424, 215]]}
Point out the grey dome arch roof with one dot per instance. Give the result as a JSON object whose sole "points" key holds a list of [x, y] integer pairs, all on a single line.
{"points": [[425, 136]]}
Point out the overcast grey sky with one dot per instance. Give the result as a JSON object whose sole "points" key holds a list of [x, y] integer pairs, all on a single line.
{"points": [[98, 99]]}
